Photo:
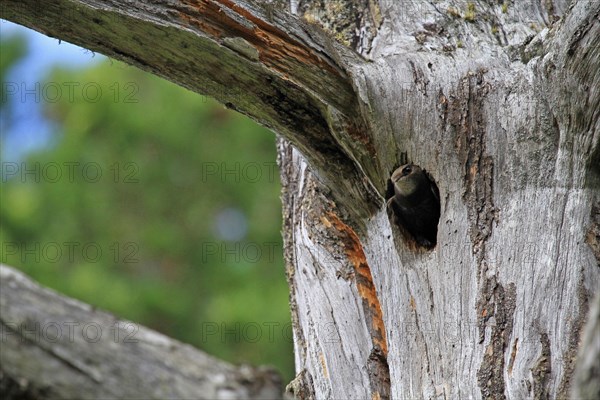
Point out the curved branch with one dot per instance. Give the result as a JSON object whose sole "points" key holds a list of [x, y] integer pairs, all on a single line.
{"points": [[265, 63]]}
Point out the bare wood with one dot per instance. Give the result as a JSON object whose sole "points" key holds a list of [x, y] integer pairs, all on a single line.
{"points": [[258, 60], [500, 103], [587, 380], [57, 347], [496, 310]]}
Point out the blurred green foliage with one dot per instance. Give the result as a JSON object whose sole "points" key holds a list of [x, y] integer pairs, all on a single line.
{"points": [[13, 49], [131, 206]]}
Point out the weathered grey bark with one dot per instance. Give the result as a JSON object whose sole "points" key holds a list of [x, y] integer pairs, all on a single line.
{"points": [[54, 347], [254, 59], [508, 125], [587, 373], [499, 102]]}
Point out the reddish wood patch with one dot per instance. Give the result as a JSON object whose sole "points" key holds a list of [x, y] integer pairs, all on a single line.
{"points": [[364, 281]]}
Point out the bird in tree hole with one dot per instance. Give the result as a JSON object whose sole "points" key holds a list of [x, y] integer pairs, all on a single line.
{"points": [[414, 200]]}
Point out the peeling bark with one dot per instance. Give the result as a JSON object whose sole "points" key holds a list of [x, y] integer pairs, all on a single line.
{"points": [[496, 313], [254, 59]]}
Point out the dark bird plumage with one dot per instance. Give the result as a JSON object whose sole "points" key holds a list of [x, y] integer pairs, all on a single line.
{"points": [[414, 200]]}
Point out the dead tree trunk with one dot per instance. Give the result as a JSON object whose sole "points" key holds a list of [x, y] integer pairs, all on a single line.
{"points": [[499, 102]]}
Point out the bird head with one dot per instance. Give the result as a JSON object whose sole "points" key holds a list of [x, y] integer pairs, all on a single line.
{"points": [[407, 179]]}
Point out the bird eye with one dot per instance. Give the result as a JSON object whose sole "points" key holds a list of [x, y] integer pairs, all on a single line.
{"points": [[407, 170]]}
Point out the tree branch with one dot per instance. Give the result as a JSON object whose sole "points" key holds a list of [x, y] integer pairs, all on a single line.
{"points": [[57, 347], [263, 62]]}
